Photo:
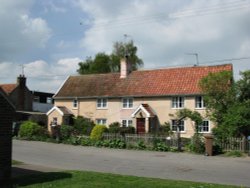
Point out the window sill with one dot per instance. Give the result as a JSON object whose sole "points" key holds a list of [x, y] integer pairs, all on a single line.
{"points": [[102, 108]]}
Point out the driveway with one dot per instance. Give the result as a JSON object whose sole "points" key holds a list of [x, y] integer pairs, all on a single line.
{"points": [[178, 166]]}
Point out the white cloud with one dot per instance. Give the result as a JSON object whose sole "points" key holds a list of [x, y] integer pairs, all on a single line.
{"points": [[20, 32]]}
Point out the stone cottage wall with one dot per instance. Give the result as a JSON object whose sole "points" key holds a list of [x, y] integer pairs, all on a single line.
{"points": [[6, 115]]}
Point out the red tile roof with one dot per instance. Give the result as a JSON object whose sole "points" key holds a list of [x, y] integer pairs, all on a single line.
{"points": [[8, 88], [149, 110], [161, 82]]}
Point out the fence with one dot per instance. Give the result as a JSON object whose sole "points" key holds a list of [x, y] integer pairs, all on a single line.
{"points": [[234, 144], [147, 139]]}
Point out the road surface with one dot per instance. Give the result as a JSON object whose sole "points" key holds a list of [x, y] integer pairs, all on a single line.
{"points": [[165, 165]]}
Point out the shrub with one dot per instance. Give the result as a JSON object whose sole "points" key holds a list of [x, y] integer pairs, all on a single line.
{"points": [[117, 143], [127, 130], [165, 129], [114, 127], [96, 133], [31, 129], [73, 140], [158, 145], [86, 141], [141, 145], [197, 144], [66, 131], [83, 125], [234, 154]]}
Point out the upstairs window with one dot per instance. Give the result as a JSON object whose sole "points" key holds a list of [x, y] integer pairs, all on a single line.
{"points": [[199, 102], [127, 123], [204, 127], [75, 103], [127, 103], [178, 102], [174, 125], [101, 121], [101, 103], [49, 100]]}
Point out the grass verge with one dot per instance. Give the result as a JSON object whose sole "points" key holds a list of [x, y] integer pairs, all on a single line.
{"points": [[83, 179]]}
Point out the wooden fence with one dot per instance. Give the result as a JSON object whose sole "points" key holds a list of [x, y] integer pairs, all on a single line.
{"points": [[234, 144], [147, 139]]}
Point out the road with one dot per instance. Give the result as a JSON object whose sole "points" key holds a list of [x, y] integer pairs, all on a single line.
{"points": [[165, 165]]}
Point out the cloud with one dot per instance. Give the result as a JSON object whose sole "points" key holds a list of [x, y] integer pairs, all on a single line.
{"points": [[20, 32], [165, 31]]}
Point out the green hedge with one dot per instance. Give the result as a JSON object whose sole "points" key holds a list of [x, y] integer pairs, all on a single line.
{"points": [[97, 132], [29, 130]]}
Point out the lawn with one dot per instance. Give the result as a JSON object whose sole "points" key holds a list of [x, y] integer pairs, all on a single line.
{"points": [[79, 179]]}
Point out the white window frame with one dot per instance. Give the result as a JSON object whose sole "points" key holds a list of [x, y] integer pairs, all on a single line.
{"points": [[127, 103], [101, 121], [75, 103], [199, 102], [102, 103], [173, 124], [178, 102], [49, 100], [203, 126], [127, 123]]}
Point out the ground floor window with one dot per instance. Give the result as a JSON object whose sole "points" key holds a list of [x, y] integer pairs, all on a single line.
{"points": [[204, 127], [101, 121], [174, 125], [127, 123]]}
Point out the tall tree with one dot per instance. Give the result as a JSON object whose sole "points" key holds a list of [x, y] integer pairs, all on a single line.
{"points": [[103, 63], [121, 50], [100, 64]]}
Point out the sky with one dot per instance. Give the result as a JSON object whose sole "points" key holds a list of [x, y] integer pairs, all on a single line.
{"points": [[46, 39]]}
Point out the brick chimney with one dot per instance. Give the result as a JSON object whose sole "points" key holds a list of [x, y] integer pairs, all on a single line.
{"points": [[21, 81], [125, 68]]}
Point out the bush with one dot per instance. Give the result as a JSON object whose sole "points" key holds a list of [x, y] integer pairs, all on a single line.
{"points": [[29, 130], [197, 144], [234, 154], [86, 141], [158, 145], [97, 132], [83, 125], [73, 140], [114, 127], [141, 145], [165, 129], [66, 131], [127, 130]]}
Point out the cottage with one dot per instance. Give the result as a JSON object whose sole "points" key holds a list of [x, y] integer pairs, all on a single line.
{"points": [[7, 111], [143, 99]]}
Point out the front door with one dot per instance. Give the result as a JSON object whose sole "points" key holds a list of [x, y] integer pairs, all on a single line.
{"points": [[140, 125]]}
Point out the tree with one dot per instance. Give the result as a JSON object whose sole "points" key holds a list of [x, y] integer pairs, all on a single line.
{"points": [[103, 63], [100, 64], [219, 93], [121, 50], [228, 103]]}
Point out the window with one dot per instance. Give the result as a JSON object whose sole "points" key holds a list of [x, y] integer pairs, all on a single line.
{"points": [[101, 121], [54, 122], [174, 125], [36, 99], [127, 103], [49, 100], [127, 123], [75, 103], [102, 103], [178, 102], [199, 102], [204, 127]]}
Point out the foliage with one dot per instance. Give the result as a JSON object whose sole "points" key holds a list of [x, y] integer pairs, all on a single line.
{"points": [[30, 129], [66, 131], [97, 132], [165, 129], [83, 125], [159, 145], [141, 145], [86, 141], [197, 144], [234, 154], [228, 103], [115, 143], [193, 115], [73, 140], [219, 93], [127, 130], [114, 127], [103, 63], [100, 64]]}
